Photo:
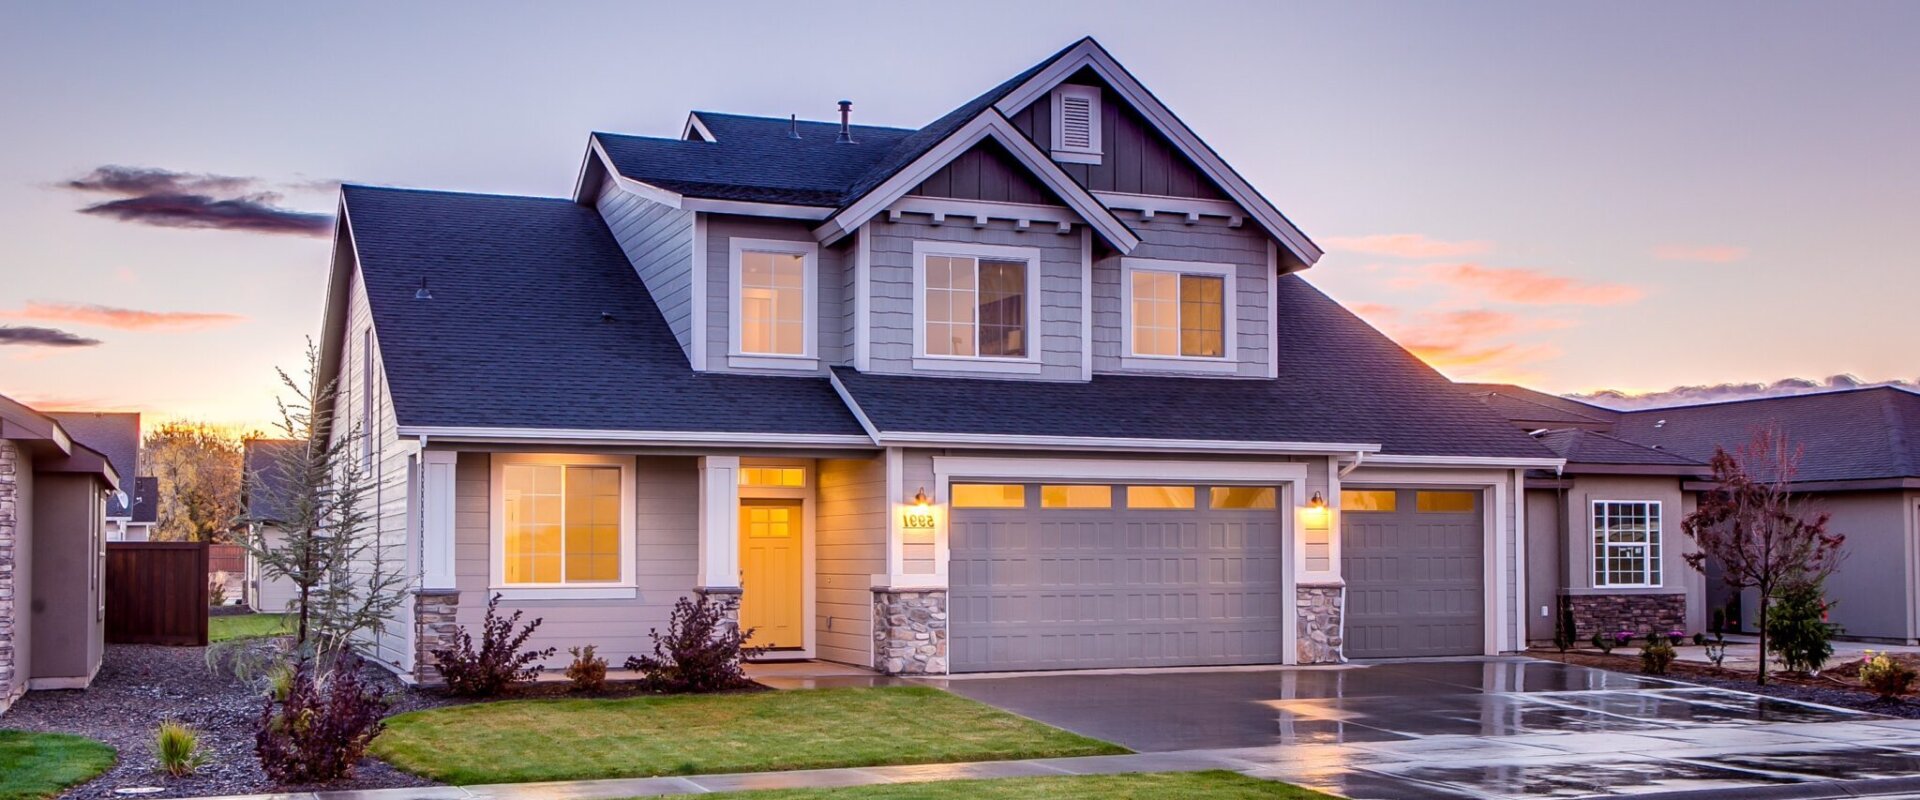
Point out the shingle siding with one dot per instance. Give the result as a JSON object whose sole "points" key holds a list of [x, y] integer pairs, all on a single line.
{"points": [[658, 240], [833, 305]]}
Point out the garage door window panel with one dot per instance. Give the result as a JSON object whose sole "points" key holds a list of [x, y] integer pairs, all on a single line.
{"points": [[1369, 500], [1626, 543], [1071, 496], [989, 495], [1253, 498], [1160, 498]]}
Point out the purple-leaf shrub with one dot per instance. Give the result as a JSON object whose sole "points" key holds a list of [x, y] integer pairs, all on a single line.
{"points": [[498, 663]]}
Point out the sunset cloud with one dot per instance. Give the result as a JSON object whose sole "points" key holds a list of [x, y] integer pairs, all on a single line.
{"points": [[1407, 245], [31, 336], [1700, 254], [1469, 342], [1517, 285], [126, 319], [1709, 393], [169, 199]]}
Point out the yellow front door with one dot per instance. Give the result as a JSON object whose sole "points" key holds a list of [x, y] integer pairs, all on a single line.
{"points": [[771, 601]]}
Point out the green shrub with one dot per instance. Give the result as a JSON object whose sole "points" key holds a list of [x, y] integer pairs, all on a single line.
{"points": [[588, 671], [176, 746], [1603, 642], [1886, 677], [1656, 657], [1797, 629], [1563, 627]]}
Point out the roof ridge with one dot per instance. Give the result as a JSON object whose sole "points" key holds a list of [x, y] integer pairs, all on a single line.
{"points": [[1771, 397], [1532, 402], [367, 187], [1494, 388], [835, 123]]}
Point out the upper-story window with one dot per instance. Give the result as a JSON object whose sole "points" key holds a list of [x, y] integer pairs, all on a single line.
{"points": [[1178, 309], [1076, 124], [976, 303], [1626, 543], [772, 302]]}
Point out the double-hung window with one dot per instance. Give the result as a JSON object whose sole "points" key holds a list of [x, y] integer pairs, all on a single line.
{"points": [[772, 303], [1178, 310], [563, 522], [1626, 543], [976, 302]]}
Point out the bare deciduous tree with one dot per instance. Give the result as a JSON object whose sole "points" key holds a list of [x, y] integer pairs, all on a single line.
{"points": [[1762, 534]]}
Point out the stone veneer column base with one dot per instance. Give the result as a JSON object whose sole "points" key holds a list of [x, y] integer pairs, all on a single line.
{"points": [[434, 612], [1640, 613], [725, 598], [13, 679], [910, 631], [1319, 640]]}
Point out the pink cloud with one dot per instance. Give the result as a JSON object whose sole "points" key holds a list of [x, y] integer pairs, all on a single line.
{"points": [[1701, 254], [1480, 343], [1519, 285], [126, 319], [1407, 245]]}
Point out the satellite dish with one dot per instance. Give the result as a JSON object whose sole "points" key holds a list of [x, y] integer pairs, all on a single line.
{"points": [[121, 497]]}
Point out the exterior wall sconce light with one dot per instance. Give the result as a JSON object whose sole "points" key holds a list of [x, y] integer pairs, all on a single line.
{"points": [[920, 516], [1316, 514]]}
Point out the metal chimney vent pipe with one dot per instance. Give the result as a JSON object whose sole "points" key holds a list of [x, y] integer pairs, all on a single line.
{"points": [[793, 126], [846, 126]]}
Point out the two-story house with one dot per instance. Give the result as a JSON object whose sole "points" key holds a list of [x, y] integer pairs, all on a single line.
{"points": [[1035, 386]]}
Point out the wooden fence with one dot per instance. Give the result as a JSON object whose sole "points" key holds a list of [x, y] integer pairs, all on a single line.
{"points": [[228, 558], [157, 593]]}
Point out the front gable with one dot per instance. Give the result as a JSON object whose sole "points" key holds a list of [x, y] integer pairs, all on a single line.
{"points": [[987, 173], [1136, 158]]}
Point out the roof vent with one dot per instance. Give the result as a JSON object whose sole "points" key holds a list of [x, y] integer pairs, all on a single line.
{"points": [[1660, 424], [422, 293], [606, 316], [846, 125], [793, 126]]}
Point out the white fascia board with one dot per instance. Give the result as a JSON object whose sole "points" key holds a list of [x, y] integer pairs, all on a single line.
{"points": [[860, 415], [989, 124], [1386, 459], [976, 467], [748, 208], [1007, 441], [616, 437], [1089, 54]]}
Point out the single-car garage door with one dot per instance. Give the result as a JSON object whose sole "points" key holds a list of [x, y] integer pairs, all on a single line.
{"points": [[1100, 576], [1412, 561]]}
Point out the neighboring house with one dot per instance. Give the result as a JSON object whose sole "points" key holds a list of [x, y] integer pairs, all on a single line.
{"points": [[130, 515], [53, 507], [266, 492], [1860, 463], [1035, 386]]}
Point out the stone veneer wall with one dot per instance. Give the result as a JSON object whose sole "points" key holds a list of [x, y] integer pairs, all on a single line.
{"points": [[433, 629], [910, 631], [1640, 613], [11, 677], [1319, 624]]}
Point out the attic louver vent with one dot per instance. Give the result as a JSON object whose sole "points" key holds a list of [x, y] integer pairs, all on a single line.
{"points": [[1076, 123]]}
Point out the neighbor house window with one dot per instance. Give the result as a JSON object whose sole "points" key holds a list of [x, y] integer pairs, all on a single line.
{"points": [[1177, 309], [773, 289], [562, 523], [977, 301], [1626, 543]]}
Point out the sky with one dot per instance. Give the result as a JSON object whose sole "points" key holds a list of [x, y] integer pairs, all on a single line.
{"points": [[1578, 196]]}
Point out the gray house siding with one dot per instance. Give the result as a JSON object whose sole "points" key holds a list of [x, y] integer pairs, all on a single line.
{"points": [[1209, 240], [1879, 557], [892, 276], [1137, 159], [850, 547], [986, 172], [666, 524], [658, 240], [833, 307]]}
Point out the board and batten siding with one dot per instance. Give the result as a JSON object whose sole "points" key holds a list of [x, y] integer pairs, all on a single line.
{"points": [[388, 497], [986, 172], [658, 241], [1211, 241], [1136, 158], [833, 306], [850, 547], [665, 552], [892, 285]]}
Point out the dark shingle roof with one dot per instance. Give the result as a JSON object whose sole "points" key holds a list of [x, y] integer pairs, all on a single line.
{"points": [[1587, 447], [1520, 404], [514, 335], [267, 483], [115, 435], [1340, 381], [146, 499], [1858, 434]]}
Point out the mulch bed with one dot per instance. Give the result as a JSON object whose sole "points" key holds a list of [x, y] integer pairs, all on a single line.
{"points": [[1835, 687]]}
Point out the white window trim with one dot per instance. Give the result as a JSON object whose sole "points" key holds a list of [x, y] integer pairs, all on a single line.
{"points": [[1076, 155], [921, 360], [1649, 563], [738, 356], [497, 535], [1226, 362]]}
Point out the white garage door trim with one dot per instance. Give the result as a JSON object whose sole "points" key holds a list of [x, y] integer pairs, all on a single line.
{"points": [[1290, 475]]}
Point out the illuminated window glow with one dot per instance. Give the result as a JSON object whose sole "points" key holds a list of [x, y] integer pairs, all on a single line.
{"points": [[1443, 502], [1071, 496], [773, 304], [774, 477], [562, 524], [1179, 315], [1244, 497], [1368, 500], [1160, 497], [976, 307], [989, 495]]}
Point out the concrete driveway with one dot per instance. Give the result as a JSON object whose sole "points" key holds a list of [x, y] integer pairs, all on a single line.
{"points": [[1507, 727]]}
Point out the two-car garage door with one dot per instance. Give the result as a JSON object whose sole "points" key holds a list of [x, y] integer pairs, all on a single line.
{"points": [[1106, 576]]}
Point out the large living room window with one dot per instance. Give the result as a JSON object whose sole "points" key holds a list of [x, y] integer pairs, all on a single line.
{"points": [[563, 521], [976, 303], [1177, 311], [773, 290], [1626, 543]]}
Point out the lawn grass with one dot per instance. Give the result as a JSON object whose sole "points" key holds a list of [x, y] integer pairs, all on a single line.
{"points": [[246, 626], [548, 740], [1217, 785], [39, 765]]}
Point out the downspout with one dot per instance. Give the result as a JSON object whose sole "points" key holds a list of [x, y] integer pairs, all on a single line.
{"points": [[1359, 456]]}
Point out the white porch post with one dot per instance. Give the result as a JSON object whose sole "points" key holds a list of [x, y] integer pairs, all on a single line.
{"points": [[719, 523], [436, 519]]}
